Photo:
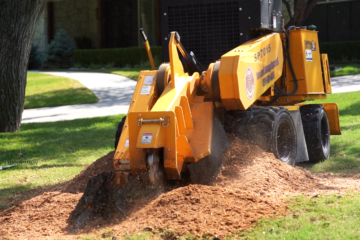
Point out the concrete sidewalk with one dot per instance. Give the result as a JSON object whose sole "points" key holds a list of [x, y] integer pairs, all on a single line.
{"points": [[345, 84], [114, 93]]}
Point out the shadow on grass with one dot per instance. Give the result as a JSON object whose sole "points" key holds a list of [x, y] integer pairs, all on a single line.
{"points": [[351, 127], [352, 110], [344, 160], [57, 140]]}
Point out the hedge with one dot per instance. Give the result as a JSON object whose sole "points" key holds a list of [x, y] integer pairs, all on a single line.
{"points": [[119, 56], [337, 52], [341, 51]]}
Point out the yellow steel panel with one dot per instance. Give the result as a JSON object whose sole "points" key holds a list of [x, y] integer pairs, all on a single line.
{"points": [[200, 135], [171, 96], [180, 120], [305, 58], [147, 46], [296, 99], [292, 108], [332, 112], [138, 155], [156, 136], [326, 72], [176, 66], [184, 149], [140, 102], [192, 88], [184, 103], [247, 71]]}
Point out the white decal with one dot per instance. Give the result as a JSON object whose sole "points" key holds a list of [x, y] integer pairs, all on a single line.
{"points": [[146, 138], [148, 80], [126, 142], [274, 21], [145, 90], [249, 83], [308, 54]]}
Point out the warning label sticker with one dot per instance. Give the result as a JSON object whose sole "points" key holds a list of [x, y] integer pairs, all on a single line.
{"points": [[249, 83], [148, 80], [274, 21], [146, 138], [145, 90], [308, 54], [126, 143]]}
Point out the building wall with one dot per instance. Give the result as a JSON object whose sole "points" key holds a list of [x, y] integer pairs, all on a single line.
{"points": [[336, 21], [78, 18], [40, 36]]}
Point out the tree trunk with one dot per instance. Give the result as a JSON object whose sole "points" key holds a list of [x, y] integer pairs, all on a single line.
{"points": [[302, 10], [18, 21]]}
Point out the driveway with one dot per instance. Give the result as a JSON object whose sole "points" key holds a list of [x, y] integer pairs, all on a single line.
{"points": [[114, 93], [345, 84]]}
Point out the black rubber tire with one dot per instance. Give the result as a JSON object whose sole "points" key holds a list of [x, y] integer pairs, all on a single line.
{"points": [[160, 76], [317, 132], [273, 130], [119, 130], [284, 140]]}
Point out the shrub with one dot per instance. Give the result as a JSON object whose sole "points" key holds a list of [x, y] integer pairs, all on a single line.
{"points": [[341, 51], [83, 42], [34, 58], [120, 57], [60, 51]]}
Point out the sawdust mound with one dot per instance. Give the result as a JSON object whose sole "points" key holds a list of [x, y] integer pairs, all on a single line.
{"points": [[251, 185], [78, 183], [41, 217]]}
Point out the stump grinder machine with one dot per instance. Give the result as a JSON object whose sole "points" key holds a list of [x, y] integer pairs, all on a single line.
{"points": [[176, 123]]}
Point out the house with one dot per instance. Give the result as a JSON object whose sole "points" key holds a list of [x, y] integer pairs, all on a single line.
{"points": [[99, 23], [94, 24]]}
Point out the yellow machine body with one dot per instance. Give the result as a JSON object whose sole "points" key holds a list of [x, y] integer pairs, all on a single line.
{"points": [[249, 70], [307, 62], [180, 120]]}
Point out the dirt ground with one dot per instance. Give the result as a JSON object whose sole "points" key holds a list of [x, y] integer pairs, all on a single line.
{"points": [[252, 184]]}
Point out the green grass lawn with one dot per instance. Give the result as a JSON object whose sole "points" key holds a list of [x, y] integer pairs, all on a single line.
{"points": [[346, 69], [53, 153], [132, 73], [44, 90], [326, 217]]}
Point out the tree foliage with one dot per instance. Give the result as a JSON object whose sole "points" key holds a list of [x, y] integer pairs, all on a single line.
{"points": [[60, 51]]}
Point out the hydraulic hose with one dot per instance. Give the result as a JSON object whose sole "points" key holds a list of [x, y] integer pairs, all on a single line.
{"points": [[287, 57]]}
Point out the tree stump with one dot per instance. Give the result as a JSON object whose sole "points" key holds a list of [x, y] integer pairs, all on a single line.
{"points": [[104, 197]]}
